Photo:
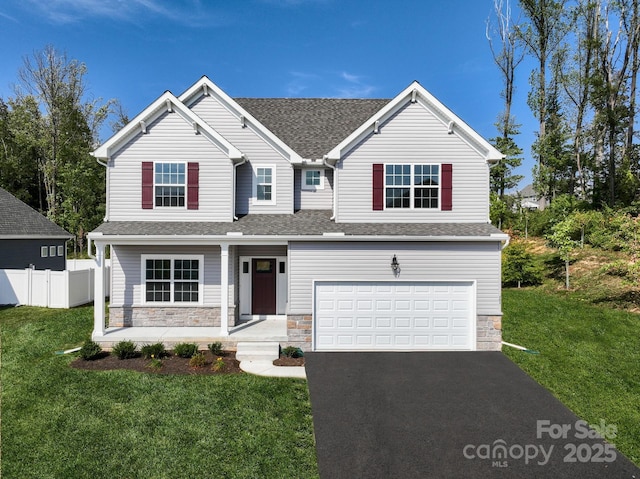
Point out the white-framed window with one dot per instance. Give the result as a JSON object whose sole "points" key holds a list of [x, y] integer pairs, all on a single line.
{"points": [[172, 279], [170, 184], [44, 251], [52, 251], [412, 186], [312, 179], [264, 184], [60, 250]]}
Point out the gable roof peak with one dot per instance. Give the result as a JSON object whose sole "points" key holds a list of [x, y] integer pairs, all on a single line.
{"points": [[167, 102], [414, 92]]}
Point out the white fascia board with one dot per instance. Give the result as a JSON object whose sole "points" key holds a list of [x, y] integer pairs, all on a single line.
{"points": [[279, 240], [151, 113], [444, 114], [197, 90]]}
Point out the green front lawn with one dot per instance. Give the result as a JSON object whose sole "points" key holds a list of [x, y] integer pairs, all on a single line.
{"points": [[589, 358], [60, 422]]}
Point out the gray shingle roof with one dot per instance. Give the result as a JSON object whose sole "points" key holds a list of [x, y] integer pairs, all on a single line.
{"points": [[303, 223], [19, 220], [312, 126]]}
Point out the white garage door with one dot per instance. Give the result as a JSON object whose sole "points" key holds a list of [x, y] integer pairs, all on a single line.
{"points": [[391, 316]]}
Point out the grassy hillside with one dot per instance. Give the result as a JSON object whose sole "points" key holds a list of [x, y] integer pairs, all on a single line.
{"points": [[593, 279]]}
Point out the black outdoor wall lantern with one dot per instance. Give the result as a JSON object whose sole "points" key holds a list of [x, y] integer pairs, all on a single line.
{"points": [[395, 266]]}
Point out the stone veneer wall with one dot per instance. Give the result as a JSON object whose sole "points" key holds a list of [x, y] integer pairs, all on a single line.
{"points": [[488, 332], [167, 316], [299, 331]]}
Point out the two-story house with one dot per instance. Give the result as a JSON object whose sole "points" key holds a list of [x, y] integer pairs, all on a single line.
{"points": [[330, 224]]}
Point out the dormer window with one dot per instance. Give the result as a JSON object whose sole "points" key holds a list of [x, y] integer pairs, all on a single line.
{"points": [[264, 181], [312, 179]]}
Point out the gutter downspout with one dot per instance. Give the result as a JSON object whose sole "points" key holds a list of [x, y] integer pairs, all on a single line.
{"points": [[335, 185], [506, 243], [233, 193], [106, 206]]}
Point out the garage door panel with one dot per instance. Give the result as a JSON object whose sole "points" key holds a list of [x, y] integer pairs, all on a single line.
{"points": [[398, 316]]}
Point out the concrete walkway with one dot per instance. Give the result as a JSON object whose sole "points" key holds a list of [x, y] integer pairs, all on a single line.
{"points": [[266, 368]]}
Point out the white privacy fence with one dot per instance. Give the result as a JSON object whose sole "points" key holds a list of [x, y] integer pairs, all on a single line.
{"points": [[51, 289]]}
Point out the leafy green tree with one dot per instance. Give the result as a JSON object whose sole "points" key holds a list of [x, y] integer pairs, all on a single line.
{"points": [[519, 266], [498, 209], [20, 147], [562, 238], [507, 54], [62, 136]]}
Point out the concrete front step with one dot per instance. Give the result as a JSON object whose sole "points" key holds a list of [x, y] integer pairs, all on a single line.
{"points": [[257, 351]]}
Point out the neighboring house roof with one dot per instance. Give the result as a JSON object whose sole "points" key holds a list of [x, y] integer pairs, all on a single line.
{"points": [[303, 224], [19, 221], [312, 126], [528, 192]]}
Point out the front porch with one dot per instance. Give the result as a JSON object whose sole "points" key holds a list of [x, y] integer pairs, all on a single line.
{"points": [[258, 330]]}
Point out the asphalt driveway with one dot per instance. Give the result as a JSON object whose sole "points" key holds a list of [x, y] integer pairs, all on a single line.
{"points": [[448, 415]]}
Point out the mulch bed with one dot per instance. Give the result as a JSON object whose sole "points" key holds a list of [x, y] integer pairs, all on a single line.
{"points": [[287, 361], [171, 364]]}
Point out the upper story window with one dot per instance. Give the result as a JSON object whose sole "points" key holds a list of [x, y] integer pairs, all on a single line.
{"points": [[170, 182], [312, 179], [412, 186], [264, 188], [172, 279]]}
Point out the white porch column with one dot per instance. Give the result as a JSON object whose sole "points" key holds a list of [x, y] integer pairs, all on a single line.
{"points": [[98, 293], [224, 289]]}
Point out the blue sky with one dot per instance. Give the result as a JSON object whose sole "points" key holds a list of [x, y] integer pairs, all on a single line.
{"points": [[135, 50]]}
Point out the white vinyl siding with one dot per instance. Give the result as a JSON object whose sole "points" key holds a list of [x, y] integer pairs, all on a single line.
{"points": [[258, 153], [450, 261], [128, 284], [413, 136], [310, 199], [170, 139]]}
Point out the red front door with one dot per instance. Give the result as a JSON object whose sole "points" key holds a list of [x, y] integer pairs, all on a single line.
{"points": [[263, 286]]}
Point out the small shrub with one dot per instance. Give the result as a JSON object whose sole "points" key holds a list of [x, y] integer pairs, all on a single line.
{"points": [[90, 350], [292, 352], [156, 350], [124, 350], [198, 360], [215, 348], [519, 266], [155, 363], [218, 365], [185, 350]]}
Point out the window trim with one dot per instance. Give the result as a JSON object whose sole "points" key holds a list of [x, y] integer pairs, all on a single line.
{"points": [[254, 198], [52, 251], [60, 250], [44, 251], [172, 258], [303, 180], [412, 186], [185, 185]]}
